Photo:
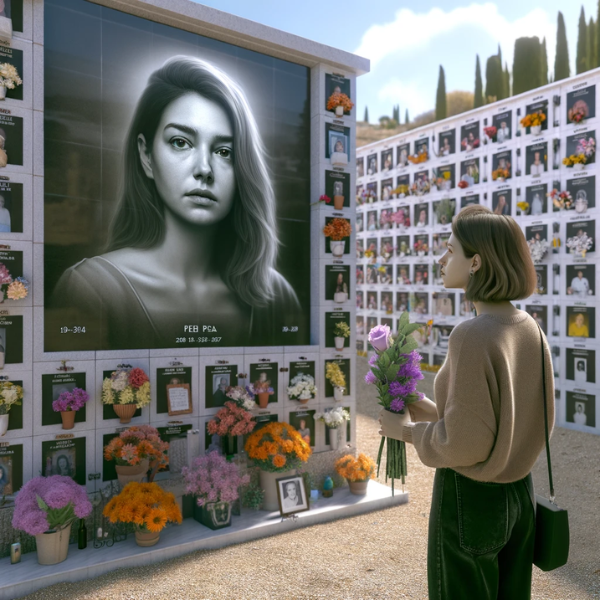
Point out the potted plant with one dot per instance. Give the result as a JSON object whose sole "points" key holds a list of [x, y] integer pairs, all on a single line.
{"points": [[341, 331], [500, 175], [68, 403], [10, 395], [135, 451], [340, 103], [562, 200], [214, 483], [9, 78], [302, 388], [333, 419], [523, 207], [46, 507], [278, 450], [444, 211], [586, 149], [13, 289], [356, 471], [127, 390], [253, 496], [338, 230], [147, 507], [231, 420], [262, 389], [534, 122], [337, 380]]}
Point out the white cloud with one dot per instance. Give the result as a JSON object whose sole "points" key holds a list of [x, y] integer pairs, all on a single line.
{"points": [[409, 94], [410, 32]]}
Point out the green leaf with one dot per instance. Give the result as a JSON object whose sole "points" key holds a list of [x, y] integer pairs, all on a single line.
{"points": [[41, 503], [392, 373], [410, 345], [403, 320], [412, 327], [385, 360]]}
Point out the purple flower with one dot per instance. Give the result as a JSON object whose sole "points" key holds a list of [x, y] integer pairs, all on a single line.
{"points": [[370, 378], [373, 360], [379, 337], [410, 371], [401, 390], [73, 400], [397, 405]]}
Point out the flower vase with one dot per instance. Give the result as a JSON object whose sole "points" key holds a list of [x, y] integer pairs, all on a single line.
{"points": [[578, 166], [268, 482], [214, 515], [68, 418], [338, 202], [304, 400], [339, 111], [500, 179], [3, 424], [339, 343], [339, 159], [147, 538], [340, 297], [263, 399], [358, 488], [125, 411], [337, 247], [53, 546], [229, 442], [536, 129], [128, 473], [2, 92], [334, 438], [338, 393]]}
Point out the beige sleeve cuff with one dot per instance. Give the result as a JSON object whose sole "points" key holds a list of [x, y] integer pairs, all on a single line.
{"points": [[407, 433]]}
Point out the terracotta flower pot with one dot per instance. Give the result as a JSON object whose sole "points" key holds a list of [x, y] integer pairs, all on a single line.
{"points": [[263, 399], [338, 202], [53, 546], [358, 488], [147, 538], [125, 411], [68, 418], [128, 473]]}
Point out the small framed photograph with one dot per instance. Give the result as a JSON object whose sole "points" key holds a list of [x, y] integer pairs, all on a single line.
{"points": [[291, 495]]}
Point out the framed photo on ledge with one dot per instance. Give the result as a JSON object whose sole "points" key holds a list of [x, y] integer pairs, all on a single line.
{"points": [[179, 399], [291, 495]]}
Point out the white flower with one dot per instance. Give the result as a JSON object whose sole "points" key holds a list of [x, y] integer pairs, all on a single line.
{"points": [[120, 382], [302, 387], [10, 396], [333, 418], [538, 249]]}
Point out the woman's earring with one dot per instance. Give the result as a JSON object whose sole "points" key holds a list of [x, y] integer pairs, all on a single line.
{"points": [[471, 273]]}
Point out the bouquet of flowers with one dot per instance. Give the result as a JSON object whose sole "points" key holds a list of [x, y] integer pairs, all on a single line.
{"points": [[13, 289], [70, 400], [368, 196], [562, 200], [491, 132], [333, 418], [523, 207], [10, 394], [211, 478], [462, 184], [337, 229], [136, 444], [578, 112], [49, 504], [335, 375], [395, 371], [421, 246], [323, 198], [444, 211], [231, 420], [145, 505], [500, 174], [401, 217], [401, 190], [538, 249], [126, 386], [419, 158], [474, 144], [356, 469], [580, 244], [9, 76], [587, 148], [241, 396], [533, 119], [340, 99], [302, 388], [277, 447]]}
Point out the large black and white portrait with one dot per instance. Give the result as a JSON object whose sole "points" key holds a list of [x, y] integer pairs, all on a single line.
{"points": [[192, 188], [292, 495]]}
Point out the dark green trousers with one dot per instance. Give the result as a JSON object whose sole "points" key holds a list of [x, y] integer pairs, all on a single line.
{"points": [[481, 539]]}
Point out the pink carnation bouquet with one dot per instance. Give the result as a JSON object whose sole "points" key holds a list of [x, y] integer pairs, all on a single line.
{"points": [[13, 289], [212, 479], [49, 504], [231, 420], [71, 400]]}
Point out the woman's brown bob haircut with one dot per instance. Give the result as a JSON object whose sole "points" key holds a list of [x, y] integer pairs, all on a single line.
{"points": [[507, 271]]}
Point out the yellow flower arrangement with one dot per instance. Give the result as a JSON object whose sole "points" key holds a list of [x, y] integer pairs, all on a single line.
{"points": [[533, 119], [277, 447], [145, 505], [574, 159], [335, 375], [446, 175], [356, 469], [500, 173], [523, 206]]}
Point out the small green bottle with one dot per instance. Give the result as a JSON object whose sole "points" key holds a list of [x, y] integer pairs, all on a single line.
{"points": [[82, 535], [328, 487]]}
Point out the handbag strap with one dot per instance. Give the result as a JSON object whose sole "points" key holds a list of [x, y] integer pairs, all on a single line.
{"points": [[546, 417]]}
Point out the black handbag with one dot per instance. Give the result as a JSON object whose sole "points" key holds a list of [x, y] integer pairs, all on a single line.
{"points": [[551, 523]]}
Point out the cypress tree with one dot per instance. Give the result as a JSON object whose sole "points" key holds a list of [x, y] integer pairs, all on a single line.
{"points": [[562, 69], [527, 67], [494, 79], [406, 119], [507, 93], [581, 60], [597, 55], [591, 47], [441, 105], [544, 57], [478, 98], [366, 119]]}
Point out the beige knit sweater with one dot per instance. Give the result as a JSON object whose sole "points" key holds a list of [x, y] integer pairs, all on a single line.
{"points": [[490, 417]]}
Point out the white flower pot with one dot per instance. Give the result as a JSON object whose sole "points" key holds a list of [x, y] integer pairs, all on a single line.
{"points": [[337, 248], [579, 167], [53, 547], [3, 424], [339, 343], [2, 92], [334, 438], [338, 393], [339, 111], [339, 159], [268, 482], [536, 129], [340, 297], [500, 179]]}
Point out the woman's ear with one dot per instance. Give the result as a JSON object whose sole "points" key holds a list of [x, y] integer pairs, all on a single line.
{"points": [[476, 264], [145, 156]]}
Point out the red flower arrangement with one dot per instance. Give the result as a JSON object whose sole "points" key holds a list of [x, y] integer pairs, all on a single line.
{"points": [[491, 132], [231, 420], [462, 184], [137, 378]]}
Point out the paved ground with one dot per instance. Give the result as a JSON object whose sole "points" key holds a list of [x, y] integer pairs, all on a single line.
{"points": [[379, 555]]}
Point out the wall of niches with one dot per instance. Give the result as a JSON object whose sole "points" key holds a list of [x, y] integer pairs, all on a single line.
{"points": [[410, 186], [35, 442]]}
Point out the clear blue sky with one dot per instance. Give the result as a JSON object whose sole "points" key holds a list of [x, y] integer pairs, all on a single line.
{"points": [[407, 41]]}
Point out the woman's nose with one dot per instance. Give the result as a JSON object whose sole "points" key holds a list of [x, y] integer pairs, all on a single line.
{"points": [[202, 168]]}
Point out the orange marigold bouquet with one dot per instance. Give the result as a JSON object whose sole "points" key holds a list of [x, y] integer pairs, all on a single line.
{"points": [[277, 447], [337, 229], [340, 99], [135, 444], [145, 505], [533, 119], [356, 469]]}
